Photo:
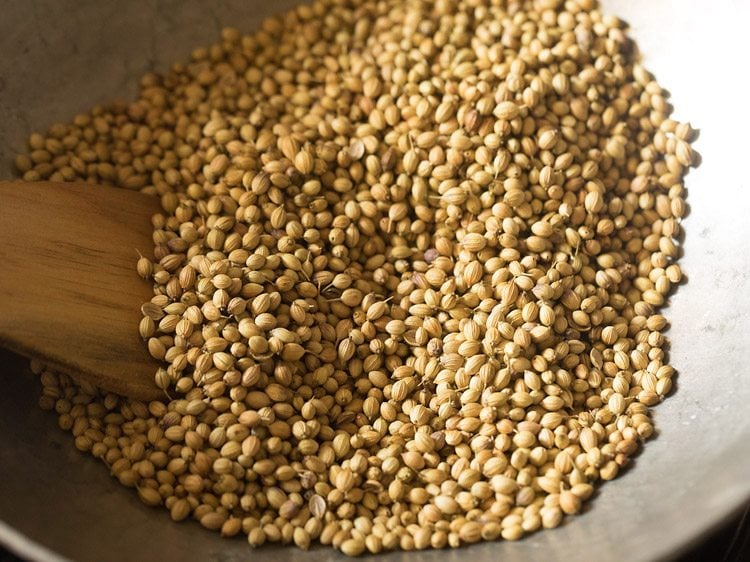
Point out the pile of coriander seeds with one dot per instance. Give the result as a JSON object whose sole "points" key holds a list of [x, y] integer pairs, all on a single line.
{"points": [[406, 277]]}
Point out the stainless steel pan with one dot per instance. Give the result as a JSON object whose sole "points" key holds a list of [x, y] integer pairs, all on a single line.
{"points": [[59, 57]]}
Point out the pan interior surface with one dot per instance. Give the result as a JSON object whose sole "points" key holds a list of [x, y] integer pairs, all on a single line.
{"points": [[62, 57]]}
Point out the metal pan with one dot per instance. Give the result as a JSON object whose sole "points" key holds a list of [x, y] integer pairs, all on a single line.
{"points": [[60, 57]]}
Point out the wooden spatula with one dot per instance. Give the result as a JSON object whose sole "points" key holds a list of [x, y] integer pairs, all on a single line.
{"points": [[69, 292]]}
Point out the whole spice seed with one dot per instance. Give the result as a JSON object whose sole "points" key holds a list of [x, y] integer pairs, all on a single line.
{"points": [[406, 277]]}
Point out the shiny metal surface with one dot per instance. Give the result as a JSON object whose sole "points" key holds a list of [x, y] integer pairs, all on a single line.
{"points": [[62, 56]]}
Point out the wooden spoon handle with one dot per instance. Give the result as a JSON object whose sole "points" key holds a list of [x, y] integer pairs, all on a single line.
{"points": [[69, 289]]}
